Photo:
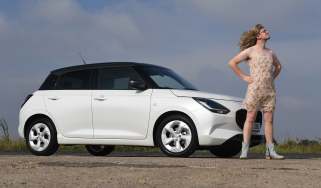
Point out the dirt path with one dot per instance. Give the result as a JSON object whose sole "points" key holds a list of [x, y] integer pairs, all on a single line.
{"points": [[156, 170]]}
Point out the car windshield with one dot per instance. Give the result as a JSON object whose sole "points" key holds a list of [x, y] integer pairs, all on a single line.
{"points": [[167, 79]]}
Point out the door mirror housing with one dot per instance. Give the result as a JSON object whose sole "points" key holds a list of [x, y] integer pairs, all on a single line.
{"points": [[137, 84]]}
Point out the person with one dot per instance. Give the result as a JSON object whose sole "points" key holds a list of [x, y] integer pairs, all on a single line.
{"points": [[261, 94]]}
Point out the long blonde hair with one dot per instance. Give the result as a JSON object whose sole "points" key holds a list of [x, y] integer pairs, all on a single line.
{"points": [[248, 38]]}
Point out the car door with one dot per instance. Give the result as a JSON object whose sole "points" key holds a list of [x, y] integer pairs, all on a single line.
{"points": [[70, 104], [118, 111]]}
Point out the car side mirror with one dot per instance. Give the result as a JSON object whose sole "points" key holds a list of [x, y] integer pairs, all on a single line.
{"points": [[137, 84]]}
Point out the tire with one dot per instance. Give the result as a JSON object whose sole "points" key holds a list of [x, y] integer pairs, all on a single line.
{"points": [[99, 150], [227, 149], [180, 133], [41, 137]]}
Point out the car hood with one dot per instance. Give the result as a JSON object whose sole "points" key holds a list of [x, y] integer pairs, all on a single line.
{"points": [[202, 94]]}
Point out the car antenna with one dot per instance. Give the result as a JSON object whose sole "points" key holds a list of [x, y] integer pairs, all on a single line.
{"points": [[82, 59]]}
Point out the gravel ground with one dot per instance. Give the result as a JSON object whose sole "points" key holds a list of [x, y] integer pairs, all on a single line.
{"points": [[156, 170]]}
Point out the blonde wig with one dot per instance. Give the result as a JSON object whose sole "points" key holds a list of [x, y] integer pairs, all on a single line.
{"points": [[248, 38]]}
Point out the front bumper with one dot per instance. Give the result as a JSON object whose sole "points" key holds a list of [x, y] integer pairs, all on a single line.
{"points": [[215, 129]]}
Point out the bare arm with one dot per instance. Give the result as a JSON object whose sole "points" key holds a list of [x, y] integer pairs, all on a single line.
{"points": [[277, 66], [233, 64]]}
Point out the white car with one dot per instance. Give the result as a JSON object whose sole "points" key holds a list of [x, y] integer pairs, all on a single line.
{"points": [[124, 103]]}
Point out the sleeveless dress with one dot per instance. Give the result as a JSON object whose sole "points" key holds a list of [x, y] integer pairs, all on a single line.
{"points": [[260, 94]]}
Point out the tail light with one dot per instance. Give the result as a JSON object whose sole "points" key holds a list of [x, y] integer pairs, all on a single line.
{"points": [[26, 99]]}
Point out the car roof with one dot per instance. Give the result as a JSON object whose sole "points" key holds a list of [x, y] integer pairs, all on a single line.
{"points": [[100, 65]]}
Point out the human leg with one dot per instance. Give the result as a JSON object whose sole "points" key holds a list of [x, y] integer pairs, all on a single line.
{"points": [[268, 126], [268, 129], [247, 129]]}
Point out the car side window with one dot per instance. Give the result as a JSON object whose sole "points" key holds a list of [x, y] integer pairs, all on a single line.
{"points": [[75, 80], [116, 78], [49, 83]]}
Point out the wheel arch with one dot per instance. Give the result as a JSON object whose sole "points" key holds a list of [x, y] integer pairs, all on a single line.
{"points": [[33, 118]]}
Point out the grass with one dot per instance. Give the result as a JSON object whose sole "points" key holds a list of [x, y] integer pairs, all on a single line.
{"points": [[12, 145], [293, 146], [288, 146]]}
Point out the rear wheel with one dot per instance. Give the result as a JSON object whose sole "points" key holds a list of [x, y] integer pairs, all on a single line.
{"points": [[41, 137], [176, 136], [99, 150], [228, 149]]}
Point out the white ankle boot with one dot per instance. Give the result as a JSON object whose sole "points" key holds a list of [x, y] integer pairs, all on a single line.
{"points": [[245, 150], [271, 153]]}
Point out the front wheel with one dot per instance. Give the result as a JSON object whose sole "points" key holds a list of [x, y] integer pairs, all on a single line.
{"points": [[99, 150], [228, 149], [176, 136], [41, 137]]}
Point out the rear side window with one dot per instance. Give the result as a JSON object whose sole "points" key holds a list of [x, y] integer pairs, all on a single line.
{"points": [[49, 83], [76, 80], [116, 78]]}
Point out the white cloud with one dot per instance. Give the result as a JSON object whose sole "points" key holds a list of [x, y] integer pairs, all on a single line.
{"points": [[55, 31], [118, 25], [242, 12], [53, 12]]}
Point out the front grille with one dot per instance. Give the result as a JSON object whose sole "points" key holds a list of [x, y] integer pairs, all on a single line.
{"points": [[241, 117]]}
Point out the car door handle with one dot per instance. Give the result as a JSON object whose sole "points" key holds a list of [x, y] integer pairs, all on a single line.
{"points": [[53, 98], [100, 98]]}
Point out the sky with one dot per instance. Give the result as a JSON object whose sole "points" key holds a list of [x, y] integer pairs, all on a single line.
{"points": [[196, 38]]}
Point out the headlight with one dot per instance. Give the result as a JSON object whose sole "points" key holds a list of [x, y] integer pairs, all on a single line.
{"points": [[212, 105]]}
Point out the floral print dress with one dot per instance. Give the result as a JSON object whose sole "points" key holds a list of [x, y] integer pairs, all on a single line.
{"points": [[260, 94]]}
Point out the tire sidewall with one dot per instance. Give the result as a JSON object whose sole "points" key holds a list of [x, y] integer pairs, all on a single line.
{"points": [[53, 144], [194, 141]]}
